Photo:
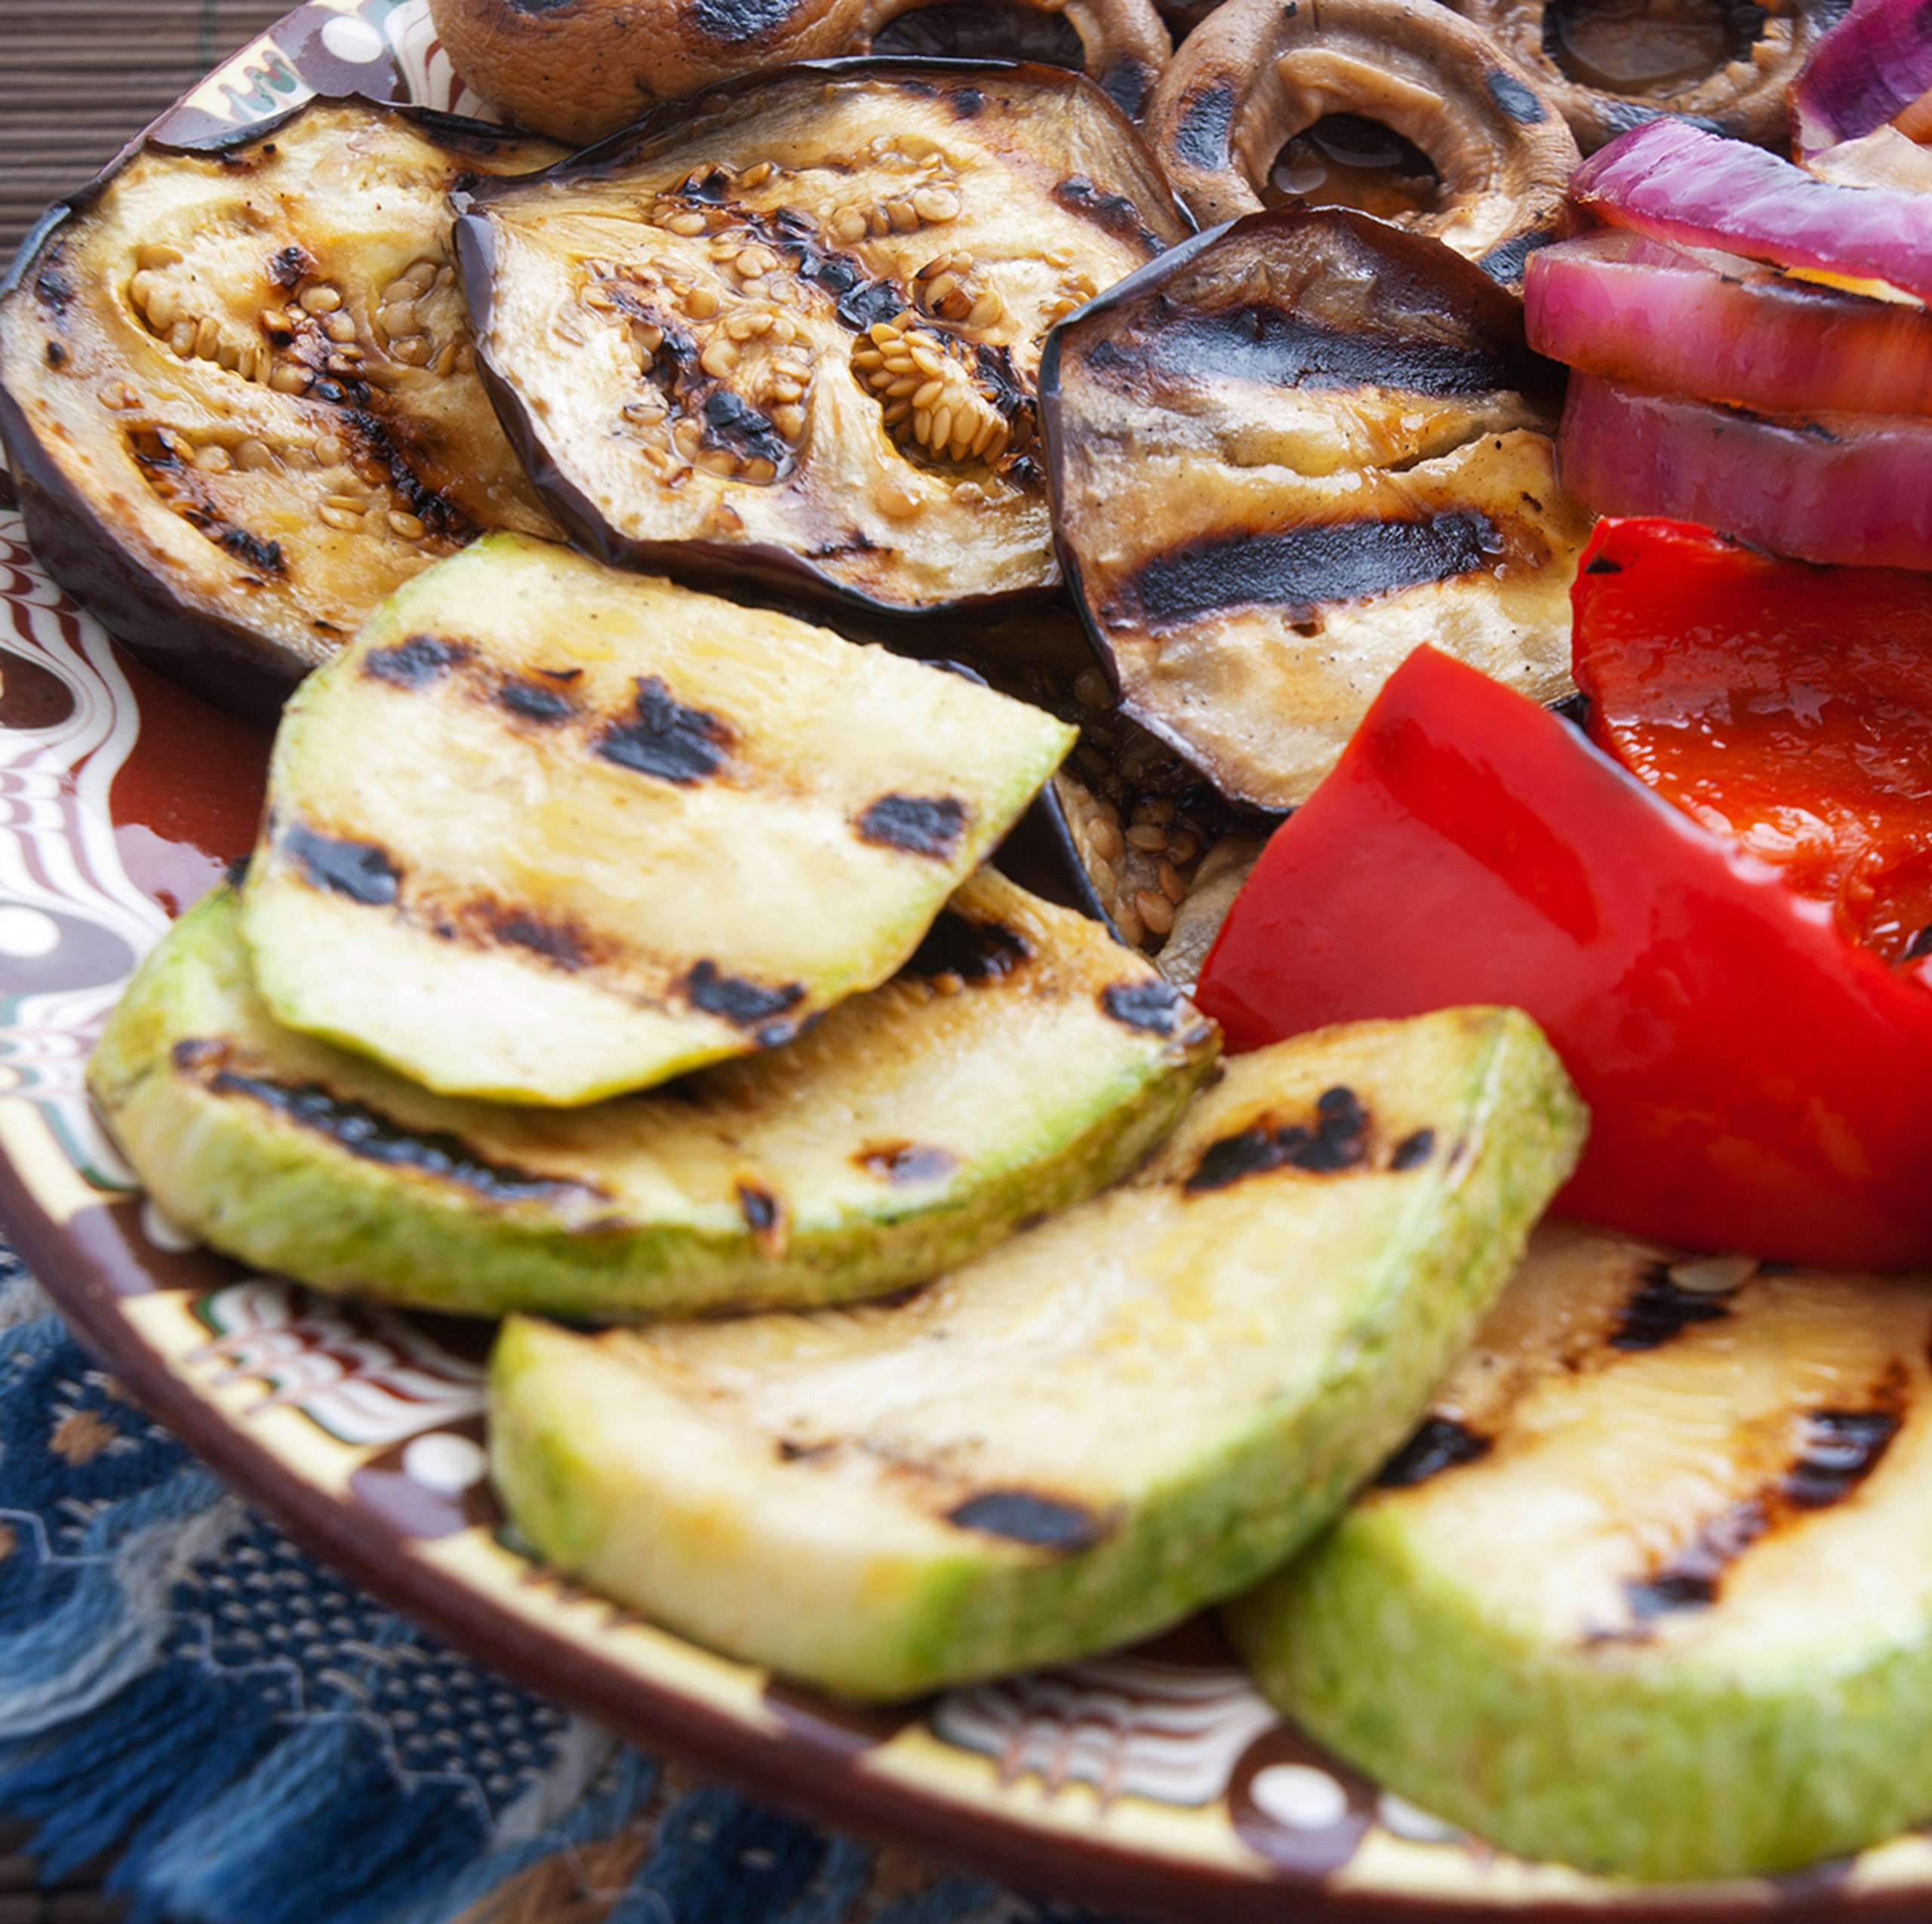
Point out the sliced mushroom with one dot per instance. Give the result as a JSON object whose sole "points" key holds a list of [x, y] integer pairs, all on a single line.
{"points": [[1611, 67], [1258, 75], [790, 331], [579, 69], [1283, 455]]}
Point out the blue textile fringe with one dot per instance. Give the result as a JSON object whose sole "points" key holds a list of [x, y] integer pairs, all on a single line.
{"points": [[256, 1742]]}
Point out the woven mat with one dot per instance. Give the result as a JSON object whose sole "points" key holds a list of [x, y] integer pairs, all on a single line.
{"points": [[77, 77]]}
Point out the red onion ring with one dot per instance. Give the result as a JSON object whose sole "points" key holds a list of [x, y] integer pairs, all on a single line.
{"points": [[1836, 488], [1683, 321], [1867, 69], [1674, 182]]}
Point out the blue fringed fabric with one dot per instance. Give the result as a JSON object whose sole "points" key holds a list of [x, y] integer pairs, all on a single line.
{"points": [[255, 1741]]}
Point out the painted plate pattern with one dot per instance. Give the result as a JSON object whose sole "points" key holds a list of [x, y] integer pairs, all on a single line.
{"points": [[1157, 1780]]}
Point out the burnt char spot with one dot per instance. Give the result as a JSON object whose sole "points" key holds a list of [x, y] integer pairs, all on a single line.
{"points": [[731, 421], [726, 20], [965, 102], [1339, 1140], [289, 266], [664, 738], [197, 1052], [1660, 1310], [1506, 261], [1413, 1149], [759, 1208], [57, 355], [1274, 347], [362, 871], [1603, 565], [1513, 98], [707, 987], [917, 825], [535, 702], [265, 557], [1841, 1449], [1045, 1522], [1299, 569], [372, 1137], [1155, 1006], [1201, 139], [556, 942], [1127, 83], [1442, 1443], [560, 674], [417, 661], [54, 288], [906, 1162], [974, 951], [1114, 212]]}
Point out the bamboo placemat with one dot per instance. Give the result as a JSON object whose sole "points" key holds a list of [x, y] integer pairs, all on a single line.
{"points": [[77, 77]]}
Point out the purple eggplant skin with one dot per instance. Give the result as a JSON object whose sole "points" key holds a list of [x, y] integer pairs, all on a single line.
{"points": [[739, 564], [78, 541]]}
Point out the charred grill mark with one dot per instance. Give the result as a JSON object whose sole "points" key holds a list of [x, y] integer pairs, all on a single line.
{"points": [[1273, 346], [1299, 569], [560, 674], [1603, 565], [906, 1162], [727, 21], [1201, 138], [288, 268], [1114, 212], [1413, 1150], [362, 871], [1513, 99], [562, 944], [731, 422], [1440, 1443], [1023, 1515], [1153, 1007], [438, 515], [739, 1002], [1127, 83], [972, 952], [417, 661], [369, 1136], [1505, 261], [54, 287], [264, 557], [1658, 1311], [1339, 1140], [759, 1207], [1839, 1449], [916, 825], [666, 739], [965, 102], [532, 702], [194, 1053]]}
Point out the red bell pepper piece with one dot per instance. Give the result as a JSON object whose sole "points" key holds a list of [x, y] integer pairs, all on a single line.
{"points": [[1756, 1082], [1786, 706]]}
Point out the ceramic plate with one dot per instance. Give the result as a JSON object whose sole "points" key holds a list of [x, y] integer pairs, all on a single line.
{"points": [[1156, 1782]]}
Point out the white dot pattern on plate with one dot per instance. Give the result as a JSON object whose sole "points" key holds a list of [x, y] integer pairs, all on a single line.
{"points": [[442, 1462], [1300, 1796], [27, 932], [348, 38]]}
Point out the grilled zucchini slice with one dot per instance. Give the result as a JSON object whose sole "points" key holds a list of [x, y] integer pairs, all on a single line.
{"points": [[549, 831], [237, 393], [1021, 1059], [1129, 1411], [1649, 1590]]}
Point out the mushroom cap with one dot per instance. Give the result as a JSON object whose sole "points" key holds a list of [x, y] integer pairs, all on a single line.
{"points": [[1257, 73], [579, 69], [1745, 97]]}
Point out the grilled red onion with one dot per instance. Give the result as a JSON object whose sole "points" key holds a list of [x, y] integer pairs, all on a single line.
{"points": [[1689, 320], [1674, 182], [1855, 488], [1870, 67]]}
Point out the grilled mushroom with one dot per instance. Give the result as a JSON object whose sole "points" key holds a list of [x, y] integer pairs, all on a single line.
{"points": [[237, 391], [1283, 455], [582, 68], [792, 330], [1610, 68], [1259, 75]]}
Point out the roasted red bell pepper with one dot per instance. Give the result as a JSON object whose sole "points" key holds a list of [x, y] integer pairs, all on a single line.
{"points": [[1786, 706], [1757, 1083]]}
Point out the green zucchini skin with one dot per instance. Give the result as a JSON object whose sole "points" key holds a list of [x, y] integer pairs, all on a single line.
{"points": [[895, 1139], [1120, 1415]]}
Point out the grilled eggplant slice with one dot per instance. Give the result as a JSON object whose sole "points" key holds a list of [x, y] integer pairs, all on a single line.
{"points": [[548, 831], [792, 330], [237, 389], [1124, 1413], [1651, 1589], [1021, 1060], [1283, 457]]}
